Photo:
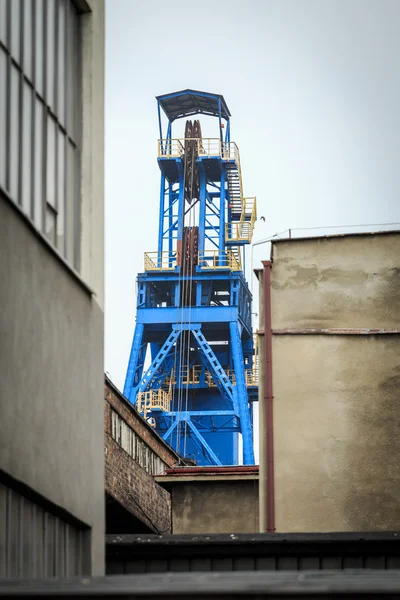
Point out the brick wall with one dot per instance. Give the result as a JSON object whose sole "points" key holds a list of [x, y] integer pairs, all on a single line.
{"points": [[135, 489], [125, 480]]}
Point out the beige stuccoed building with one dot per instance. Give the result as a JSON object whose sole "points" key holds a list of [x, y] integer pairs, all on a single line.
{"points": [[330, 310], [51, 290]]}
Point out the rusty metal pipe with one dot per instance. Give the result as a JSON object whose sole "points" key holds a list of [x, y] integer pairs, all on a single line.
{"points": [[262, 419]]}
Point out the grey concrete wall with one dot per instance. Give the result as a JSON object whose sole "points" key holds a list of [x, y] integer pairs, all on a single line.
{"points": [[336, 417], [215, 507], [51, 352], [51, 332], [92, 167]]}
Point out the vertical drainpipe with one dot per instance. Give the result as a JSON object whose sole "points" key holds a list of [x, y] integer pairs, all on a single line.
{"points": [[268, 396], [262, 477]]}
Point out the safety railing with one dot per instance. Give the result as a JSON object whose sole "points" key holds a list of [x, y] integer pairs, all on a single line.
{"points": [[252, 377], [209, 147], [188, 376], [159, 261], [169, 380], [211, 382], [192, 376], [209, 259], [171, 148], [153, 400], [238, 231], [242, 230], [214, 147], [250, 208], [214, 260]]}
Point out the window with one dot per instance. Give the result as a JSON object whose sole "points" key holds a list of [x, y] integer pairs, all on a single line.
{"points": [[40, 93], [134, 446]]}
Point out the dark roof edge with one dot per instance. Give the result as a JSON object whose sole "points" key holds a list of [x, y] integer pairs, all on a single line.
{"points": [[215, 470], [190, 91], [334, 236], [276, 539]]}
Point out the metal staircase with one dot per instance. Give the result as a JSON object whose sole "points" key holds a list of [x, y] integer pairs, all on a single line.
{"points": [[235, 190], [243, 212]]}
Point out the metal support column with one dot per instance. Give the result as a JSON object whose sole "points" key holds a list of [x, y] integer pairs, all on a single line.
{"points": [[161, 218], [133, 363], [241, 390], [202, 216]]}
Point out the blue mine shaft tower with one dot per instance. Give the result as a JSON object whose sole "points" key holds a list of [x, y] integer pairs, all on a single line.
{"points": [[193, 303]]}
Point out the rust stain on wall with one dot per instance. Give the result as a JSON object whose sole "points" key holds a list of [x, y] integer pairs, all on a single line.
{"points": [[342, 282]]}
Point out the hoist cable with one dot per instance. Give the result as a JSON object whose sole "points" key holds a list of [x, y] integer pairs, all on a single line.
{"points": [[189, 317], [182, 294]]}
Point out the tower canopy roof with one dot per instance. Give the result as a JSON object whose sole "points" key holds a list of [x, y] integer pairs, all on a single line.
{"points": [[192, 102]]}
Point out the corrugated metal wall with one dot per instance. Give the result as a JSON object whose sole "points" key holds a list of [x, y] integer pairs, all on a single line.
{"points": [[35, 543], [127, 554]]}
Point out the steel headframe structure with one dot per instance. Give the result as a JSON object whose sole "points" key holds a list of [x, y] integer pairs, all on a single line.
{"points": [[193, 303]]}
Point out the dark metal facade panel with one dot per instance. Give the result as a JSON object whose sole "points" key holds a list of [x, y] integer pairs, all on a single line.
{"points": [[34, 543], [311, 584], [262, 552]]}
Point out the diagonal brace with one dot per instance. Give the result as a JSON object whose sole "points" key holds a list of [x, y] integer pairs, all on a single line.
{"points": [[158, 361], [212, 456], [170, 430], [220, 377]]}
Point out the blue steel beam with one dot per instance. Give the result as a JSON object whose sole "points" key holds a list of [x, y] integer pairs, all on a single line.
{"points": [[159, 119], [158, 361], [214, 458], [172, 198], [228, 426], [133, 362], [205, 413], [222, 214], [201, 314], [220, 377], [161, 223], [170, 430], [240, 391], [225, 289], [202, 211]]}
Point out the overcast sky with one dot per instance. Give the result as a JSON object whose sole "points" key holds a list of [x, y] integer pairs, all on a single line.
{"points": [[314, 91]]}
